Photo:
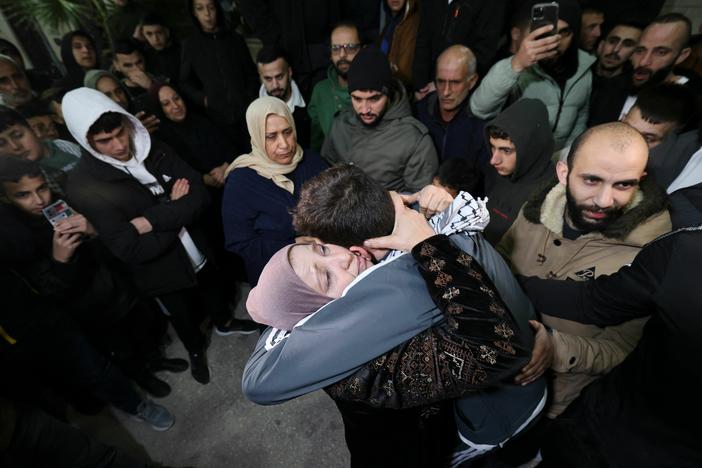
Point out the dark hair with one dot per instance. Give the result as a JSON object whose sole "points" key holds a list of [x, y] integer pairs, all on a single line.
{"points": [[34, 108], [9, 117], [343, 205], [125, 47], [346, 24], [54, 94], [676, 18], [271, 53], [493, 131], [107, 122], [667, 102], [609, 26], [13, 169], [460, 175], [152, 19]]}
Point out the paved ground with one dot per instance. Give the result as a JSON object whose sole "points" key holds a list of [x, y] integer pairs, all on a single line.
{"points": [[217, 427]]}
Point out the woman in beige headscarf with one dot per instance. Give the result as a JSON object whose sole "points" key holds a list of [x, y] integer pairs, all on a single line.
{"points": [[264, 185]]}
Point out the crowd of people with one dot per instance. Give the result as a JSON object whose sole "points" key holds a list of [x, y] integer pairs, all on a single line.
{"points": [[475, 230]]}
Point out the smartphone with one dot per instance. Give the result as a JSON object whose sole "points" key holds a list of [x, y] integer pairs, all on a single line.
{"points": [[543, 14], [57, 211], [144, 103]]}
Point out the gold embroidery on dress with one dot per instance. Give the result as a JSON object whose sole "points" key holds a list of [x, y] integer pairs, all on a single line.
{"points": [[443, 279], [504, 330]]}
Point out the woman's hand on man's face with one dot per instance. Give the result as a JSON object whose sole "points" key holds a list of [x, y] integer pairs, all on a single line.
{"points": [[410, 229]]}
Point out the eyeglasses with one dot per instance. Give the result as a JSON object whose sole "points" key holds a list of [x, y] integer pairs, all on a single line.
{"points": [[348, 48]]}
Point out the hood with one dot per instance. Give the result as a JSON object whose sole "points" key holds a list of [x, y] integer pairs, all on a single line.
{"points": [[93, 76], [411, 7], [67, 52], [526, 122], [83, 106], [221, 24]]}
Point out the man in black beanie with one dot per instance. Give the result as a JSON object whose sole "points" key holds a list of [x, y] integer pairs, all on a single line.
{"points": [[548, 66], [379, 134]]}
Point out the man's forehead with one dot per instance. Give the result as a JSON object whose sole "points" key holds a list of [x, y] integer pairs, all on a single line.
{"points": [[11, 129], [25, 184], [625, 32], [344, 35], [365, 93], [609, 160], [133, 57], [663, 35], [276, 66]]}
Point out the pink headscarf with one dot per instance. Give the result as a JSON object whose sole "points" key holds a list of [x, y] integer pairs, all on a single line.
{"points": [[281, 298]]}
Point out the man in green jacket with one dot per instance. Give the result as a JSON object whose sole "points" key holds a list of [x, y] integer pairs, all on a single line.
{"points": [[379, 134], [331, 96]]}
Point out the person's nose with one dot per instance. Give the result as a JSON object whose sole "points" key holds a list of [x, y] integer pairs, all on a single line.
{"points": [[605, 197], [282, 142], [646, 60], [342, 52], [16, 145], [495, 158], [617, 47], [445, 89], [36, 199]]}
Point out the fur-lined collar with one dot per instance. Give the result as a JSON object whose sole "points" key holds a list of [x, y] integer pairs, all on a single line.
{"points": [[548, 206]]}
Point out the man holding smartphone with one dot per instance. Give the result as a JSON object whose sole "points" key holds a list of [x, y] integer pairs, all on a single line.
{"points": [[548, 66]]}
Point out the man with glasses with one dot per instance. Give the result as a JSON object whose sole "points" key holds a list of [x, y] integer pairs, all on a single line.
{"points": [[330, 96], [457, 134]]}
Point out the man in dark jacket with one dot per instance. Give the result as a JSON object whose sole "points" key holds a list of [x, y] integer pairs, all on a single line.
{"points": [[161, 51], [455, 131], [217, 72], [645, 412], [521, 146], [476, 24], [146, 204]]}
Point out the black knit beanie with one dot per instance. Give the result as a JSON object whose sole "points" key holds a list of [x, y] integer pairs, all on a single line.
{"points": [[370, 70]]}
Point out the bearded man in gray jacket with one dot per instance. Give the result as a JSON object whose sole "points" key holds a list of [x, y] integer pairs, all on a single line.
{"points": [[379, 134]]}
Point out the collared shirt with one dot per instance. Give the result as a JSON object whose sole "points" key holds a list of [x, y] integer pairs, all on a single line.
{"points": [[296, 99]]}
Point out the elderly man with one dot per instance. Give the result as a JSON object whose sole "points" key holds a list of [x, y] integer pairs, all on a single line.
{"points": [[379, 134], [455, 131], [15, 89]]}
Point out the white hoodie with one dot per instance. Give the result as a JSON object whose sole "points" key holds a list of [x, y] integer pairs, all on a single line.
{"points": [[81, 108]]}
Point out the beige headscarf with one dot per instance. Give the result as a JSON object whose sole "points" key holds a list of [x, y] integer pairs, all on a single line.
{"points": [[257, 159]]}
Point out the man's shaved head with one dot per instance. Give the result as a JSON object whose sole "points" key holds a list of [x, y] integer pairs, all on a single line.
{"points": [[602, 176], [455, 78], [617, 135]]}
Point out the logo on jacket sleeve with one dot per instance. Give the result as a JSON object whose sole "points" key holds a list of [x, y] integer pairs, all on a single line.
{"points": [[586, 274]]}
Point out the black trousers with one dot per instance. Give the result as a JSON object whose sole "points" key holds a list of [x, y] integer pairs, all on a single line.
{"points": [[190, 306], [61, 357], [40, 440], [415, 437]]}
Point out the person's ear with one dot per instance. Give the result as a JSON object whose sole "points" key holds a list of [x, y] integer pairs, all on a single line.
{"points": [[685, 53], [290, 72], [361, 251], [472, 81], [562, 172]]}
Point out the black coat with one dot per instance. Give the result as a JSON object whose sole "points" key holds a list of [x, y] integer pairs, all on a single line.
{"points": [[474, 23], [110, 198], [646, 411], [219, 67], [164, 62]]}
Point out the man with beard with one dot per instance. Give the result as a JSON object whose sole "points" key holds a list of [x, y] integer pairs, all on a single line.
{"points": [[549, 67], [662, 46], [276, 80], [615, 49], [379, 134], [14, 85], [331, 96], [593, 221]]}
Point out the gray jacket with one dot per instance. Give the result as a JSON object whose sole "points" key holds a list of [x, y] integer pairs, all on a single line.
{"points": [[397, 152], [375, 316]]}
